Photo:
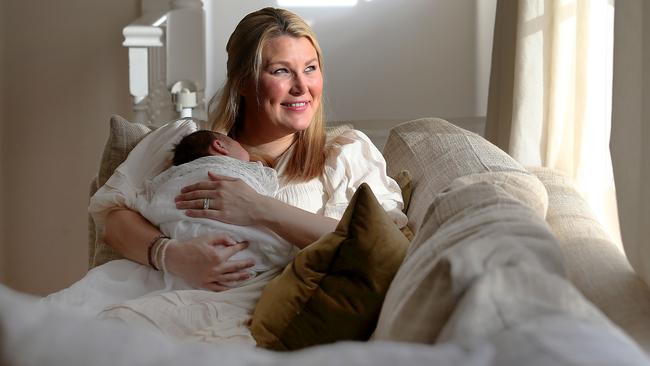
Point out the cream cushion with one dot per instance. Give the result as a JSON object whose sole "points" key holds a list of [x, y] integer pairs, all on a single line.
{"points": [[483, 259], [437, 152], [470, 232], [596, 266], [475, 209]]}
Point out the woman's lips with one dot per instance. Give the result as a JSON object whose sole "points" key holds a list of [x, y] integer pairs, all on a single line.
{"points": [[296, 106]]}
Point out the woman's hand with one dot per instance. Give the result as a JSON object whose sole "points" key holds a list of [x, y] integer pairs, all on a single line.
{"points": [[203, 261], [230, 200], [234, 202]]}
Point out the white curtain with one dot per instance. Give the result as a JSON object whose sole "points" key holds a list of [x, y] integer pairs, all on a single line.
{"points": [[630, 141], [550, 92]]}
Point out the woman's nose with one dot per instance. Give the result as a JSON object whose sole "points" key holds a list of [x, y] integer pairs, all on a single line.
{"points": [[298, 87]]}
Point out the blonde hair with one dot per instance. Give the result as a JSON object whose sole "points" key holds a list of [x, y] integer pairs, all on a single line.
{"points": [[244, 50]]}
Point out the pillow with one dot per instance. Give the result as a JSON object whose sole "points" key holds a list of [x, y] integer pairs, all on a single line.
{"points": [[122, 138], [437, 152], [470, 231], [334, 288]]}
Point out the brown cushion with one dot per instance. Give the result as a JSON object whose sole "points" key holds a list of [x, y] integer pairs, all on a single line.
{"points": [[122, 138], [334, 288]]}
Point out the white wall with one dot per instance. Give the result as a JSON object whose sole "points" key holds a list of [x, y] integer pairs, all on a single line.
{"points": [[385, 59], [65, 74]]}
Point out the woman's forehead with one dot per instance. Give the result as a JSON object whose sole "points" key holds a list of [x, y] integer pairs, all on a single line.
{"points": [[287, 47]]}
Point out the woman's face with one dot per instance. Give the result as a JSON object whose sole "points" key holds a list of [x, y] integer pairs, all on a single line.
{"points": [[290, 89]]}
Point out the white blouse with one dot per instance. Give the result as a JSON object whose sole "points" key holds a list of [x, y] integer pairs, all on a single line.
{"points": [[352, 160]]}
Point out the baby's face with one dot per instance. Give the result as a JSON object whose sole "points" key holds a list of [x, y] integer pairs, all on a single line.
{"points": [[224, 145]]}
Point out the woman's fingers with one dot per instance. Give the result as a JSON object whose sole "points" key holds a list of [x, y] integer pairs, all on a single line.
{"points": [[232, 277], [205, 185], [203, 261], [212, 214], [210, 184], [221, 239], [236, 266], [195, 204], [226, 252], [195, 195]]}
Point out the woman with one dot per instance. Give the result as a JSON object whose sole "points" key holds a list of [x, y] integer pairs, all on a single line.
{"points": [[272, 105]]}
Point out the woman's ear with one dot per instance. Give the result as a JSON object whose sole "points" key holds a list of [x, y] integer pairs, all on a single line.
{"points": [[218, 148]]}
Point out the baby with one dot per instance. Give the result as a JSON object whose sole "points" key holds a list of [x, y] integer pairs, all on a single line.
{"points": [[207, 143], [195, 155]]}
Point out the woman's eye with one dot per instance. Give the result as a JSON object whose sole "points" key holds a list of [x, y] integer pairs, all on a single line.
{"points": [[280, 71], [310, 68]]}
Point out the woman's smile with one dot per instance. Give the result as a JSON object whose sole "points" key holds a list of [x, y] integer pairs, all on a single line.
{"points": [[296, 106]]}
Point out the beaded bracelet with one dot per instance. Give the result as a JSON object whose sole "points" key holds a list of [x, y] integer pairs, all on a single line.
{"points": [[163, 251], [150, 258]]}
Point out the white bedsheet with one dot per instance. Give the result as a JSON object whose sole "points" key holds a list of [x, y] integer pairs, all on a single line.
{"points": [[140, 296], [35, 334]]}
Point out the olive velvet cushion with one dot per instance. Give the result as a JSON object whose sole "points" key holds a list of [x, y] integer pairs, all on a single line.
{"points": [[334, 288]]}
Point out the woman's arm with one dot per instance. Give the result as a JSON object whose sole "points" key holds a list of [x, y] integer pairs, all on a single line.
{"points": [[202, 262], [234, 202], [129, 234], [297, 226]]}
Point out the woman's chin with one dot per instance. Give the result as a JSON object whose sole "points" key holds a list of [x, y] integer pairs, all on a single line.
{"points": [[297, 124]]}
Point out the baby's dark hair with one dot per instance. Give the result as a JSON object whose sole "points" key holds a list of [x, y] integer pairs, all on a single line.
{"points": [[193, 146]]}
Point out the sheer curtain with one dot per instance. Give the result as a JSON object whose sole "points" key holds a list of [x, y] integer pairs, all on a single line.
{"points": [[630, 142], [550, 92]]}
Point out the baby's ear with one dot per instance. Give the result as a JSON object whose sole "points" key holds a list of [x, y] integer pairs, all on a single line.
{"points": [[218, 147]]}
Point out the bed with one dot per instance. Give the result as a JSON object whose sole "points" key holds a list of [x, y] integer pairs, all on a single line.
{"points": [[507, 266], [489, 279]]}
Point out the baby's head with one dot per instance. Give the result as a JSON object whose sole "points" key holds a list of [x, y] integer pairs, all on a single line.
{"points": [[205, 143]]}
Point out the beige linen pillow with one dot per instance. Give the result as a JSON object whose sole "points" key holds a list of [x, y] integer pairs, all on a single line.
{"points": [[596, 265], [469, 201], [469, 231], [436, 152], [334, 288], [122, 138]]}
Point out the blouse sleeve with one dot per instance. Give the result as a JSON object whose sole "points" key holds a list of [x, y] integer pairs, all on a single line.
{"points": [[148, 158], [353, 159]]}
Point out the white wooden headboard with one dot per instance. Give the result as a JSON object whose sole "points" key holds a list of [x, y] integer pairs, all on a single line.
{"points": [[166, 51]]}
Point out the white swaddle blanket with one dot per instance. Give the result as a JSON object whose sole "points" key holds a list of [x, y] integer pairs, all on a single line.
{"points": [[267, 249]]}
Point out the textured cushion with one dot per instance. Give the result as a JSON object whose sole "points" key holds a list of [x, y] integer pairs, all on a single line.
{"points": [[334, 288], [123, 136], [470, 230], [436, 152], [596, 265]]}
